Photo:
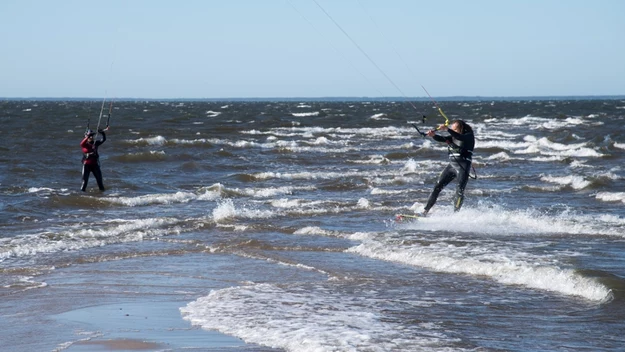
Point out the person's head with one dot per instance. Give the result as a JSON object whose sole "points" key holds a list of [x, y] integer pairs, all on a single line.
{"points": [[89, 134], [459, 126]]}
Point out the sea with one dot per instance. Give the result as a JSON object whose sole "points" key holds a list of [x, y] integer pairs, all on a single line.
{"points": [[272, 223]]}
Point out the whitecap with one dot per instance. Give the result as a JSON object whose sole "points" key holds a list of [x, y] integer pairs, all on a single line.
{"points": [[178, 197], [576, 182], [619, 145], [501, 268], [305, 114], [611, 196]]}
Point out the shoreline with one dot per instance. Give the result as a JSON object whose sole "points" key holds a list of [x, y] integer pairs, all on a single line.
{"points": [[118, 306], [139, 326]]}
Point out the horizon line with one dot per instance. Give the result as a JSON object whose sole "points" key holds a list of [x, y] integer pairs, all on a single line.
{"points": [[339, 98]]}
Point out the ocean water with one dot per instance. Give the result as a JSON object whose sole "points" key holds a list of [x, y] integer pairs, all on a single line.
{"points": [[273, 223]]}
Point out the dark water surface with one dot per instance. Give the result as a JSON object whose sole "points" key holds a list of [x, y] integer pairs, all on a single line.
{"points": [[271, 222]]}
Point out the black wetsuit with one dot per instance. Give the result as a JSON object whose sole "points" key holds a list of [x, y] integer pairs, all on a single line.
{"points": [[91, 162], [460, 157]]}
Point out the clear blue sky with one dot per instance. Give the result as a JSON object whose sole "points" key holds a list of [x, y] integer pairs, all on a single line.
{"points": [[291, 48]]}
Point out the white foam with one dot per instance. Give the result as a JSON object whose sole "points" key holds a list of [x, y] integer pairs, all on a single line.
{"points": [[534, 122], [226, 210], [320, 141], [544, 146], [158, 140], [377, 191], [315, 230], [504, 261], [243, 144], [574, 181], [477, 261], [502, 156], [411, 166], [379, 117], [579, 163], [495, 220], [211, 113], [305, 114], [80, 237], [24, 283], [309, 319], [373, 159], [611, 196], [285, 203], [178, 197], [204, 194], [40, 189], [188, 141], [363, 203]]}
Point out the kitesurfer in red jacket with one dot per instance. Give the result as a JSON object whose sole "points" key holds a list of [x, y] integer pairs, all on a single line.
{"points": [[91, 159]]}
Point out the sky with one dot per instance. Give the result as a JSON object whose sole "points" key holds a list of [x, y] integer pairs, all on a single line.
{"points": [[192, 49]]}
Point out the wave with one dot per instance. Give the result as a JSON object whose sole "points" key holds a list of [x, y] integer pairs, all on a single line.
{"points": [[497, 267], [79, 237], [211, 113], [210, 193], [574, 181], [496, 220], [160, 141], [509, 262], [152, 141], [372, 159], [228, 210], [611, 196], [578, 182], [305, 114], [307, 319], [150, 199]]}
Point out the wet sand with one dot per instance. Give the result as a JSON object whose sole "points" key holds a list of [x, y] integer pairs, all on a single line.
{"points": [[144, 326], [116, 345], [126, 305]]}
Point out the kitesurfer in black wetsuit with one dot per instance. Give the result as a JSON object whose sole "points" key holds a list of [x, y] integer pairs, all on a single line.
{"points": [[461, 142]]}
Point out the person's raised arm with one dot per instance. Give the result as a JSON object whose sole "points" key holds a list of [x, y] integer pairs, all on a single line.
{"points": [[103, 137]]}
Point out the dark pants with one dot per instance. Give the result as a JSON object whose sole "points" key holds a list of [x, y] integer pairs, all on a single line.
{"points": [[459, 169], [86, 171]]}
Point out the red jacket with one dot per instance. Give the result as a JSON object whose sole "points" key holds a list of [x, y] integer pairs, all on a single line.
{"points": [[90, 150]]}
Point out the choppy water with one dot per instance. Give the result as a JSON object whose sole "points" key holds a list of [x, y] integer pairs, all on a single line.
{"points": [[275, 220]]}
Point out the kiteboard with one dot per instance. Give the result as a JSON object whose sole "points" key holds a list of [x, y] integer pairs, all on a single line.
{"points": [[406, 217]]}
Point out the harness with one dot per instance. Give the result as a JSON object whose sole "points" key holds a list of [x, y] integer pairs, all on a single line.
{"points": [[93, 155], [463, 153]]}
